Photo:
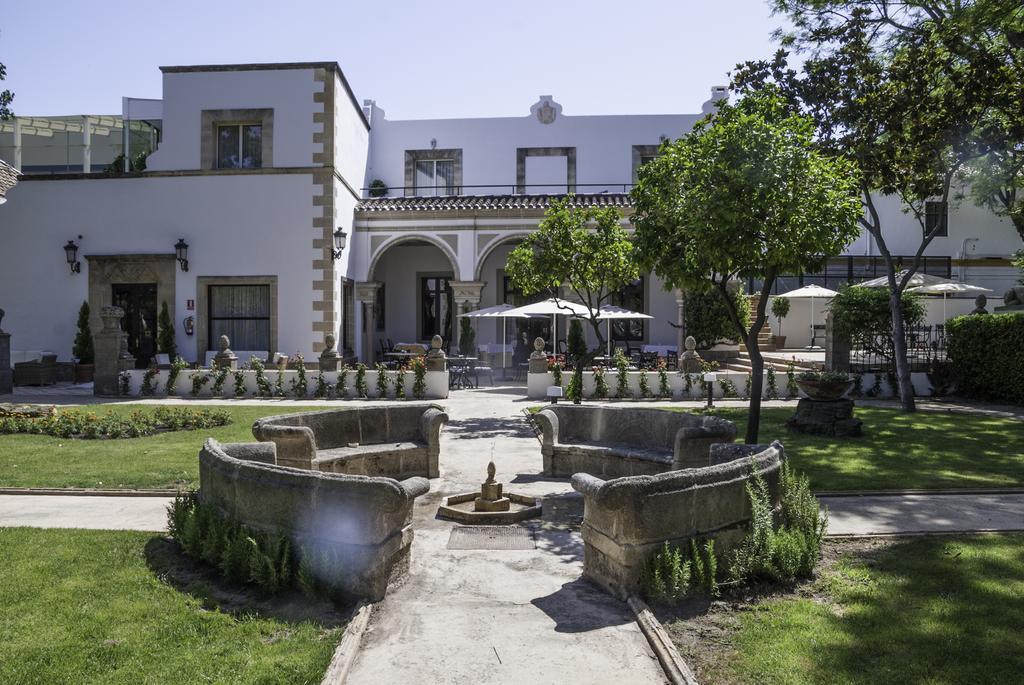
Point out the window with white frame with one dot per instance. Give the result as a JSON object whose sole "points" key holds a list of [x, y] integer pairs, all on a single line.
{"points": [[435, 177], [239, 146]]}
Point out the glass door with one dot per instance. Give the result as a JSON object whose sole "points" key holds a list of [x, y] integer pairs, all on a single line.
{"points": [[138, 300]]}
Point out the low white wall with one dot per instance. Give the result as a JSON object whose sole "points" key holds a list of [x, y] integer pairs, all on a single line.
{"points": [[537, 385], [437, 383]]}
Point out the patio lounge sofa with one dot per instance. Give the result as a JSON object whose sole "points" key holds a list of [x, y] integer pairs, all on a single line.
{"points": [[395, 441], [626, 520], [611, 442], [34, 367], [358, 529]]}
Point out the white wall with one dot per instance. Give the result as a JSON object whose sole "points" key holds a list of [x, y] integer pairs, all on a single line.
{"points": [[247, 225], [289, 92], [603, 146]]}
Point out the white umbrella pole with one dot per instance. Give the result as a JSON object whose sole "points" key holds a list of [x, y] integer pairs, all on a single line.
{"points": [[504, 350], [608, 337], [943, 309], [812, 324]]}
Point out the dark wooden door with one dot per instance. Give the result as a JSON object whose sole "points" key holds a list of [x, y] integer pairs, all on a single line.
{"points": [[138, 300]]}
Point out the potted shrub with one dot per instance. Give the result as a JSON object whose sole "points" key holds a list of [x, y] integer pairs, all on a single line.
{"points": [[780, 310], [467, 338], [165, 343], [378, 188], [824, 385], [82, 349]]}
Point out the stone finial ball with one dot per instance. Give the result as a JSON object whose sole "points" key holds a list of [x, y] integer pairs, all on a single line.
{"points": [[538, 344], [224, 342], [436, 342], [690, 343], [329, 341], [980, 301]]}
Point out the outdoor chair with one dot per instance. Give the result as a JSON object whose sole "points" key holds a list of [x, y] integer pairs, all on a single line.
{"points": [[648, 360], [37, 368]]}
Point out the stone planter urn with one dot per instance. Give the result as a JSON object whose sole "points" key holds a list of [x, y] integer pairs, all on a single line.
{"points": [[779, 341], [84, 373], [825, 390]]}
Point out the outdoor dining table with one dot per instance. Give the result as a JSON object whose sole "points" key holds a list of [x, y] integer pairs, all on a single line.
{"points": [[458, 372]]}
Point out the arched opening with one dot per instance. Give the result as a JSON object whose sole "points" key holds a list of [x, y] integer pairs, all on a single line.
{"points": [[518, 333], [415, 299]]}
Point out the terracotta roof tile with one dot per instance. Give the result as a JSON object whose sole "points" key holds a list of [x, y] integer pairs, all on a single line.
{"points": [[489, 202]]}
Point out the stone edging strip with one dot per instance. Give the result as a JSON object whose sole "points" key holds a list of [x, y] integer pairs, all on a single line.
{"points": [[676, 669], [345, 654], [88, 492], [897, 493], [926, 533]]}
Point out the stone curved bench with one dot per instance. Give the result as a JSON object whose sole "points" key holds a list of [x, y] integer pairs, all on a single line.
{"points": [[398, 441], [627, 519], [612, 442], [362, 524]]}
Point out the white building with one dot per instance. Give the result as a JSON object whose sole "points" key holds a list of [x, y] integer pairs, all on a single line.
{"points": [[256, 167]]}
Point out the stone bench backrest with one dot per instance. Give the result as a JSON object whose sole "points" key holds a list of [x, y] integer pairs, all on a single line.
{"points": [[644, 428], [364, 425], [309, 505]]}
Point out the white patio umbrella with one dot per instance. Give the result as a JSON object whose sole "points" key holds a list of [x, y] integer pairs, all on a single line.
{"points": [[552, 306], [810, 292], [610, 312], [946, 288], [503, 312], [916, 281]]}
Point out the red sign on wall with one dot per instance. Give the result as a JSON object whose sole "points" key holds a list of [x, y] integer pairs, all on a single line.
{"points": [[190, 305]]}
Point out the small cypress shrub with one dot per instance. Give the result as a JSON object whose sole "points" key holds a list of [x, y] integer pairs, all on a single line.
{"points": [[165, 343], [419, 383], [772, 383], [299, 384], [382, 381], [644, 384], [600, 384], [361, 389], [83, 348], [664, 389], [622, 376]]}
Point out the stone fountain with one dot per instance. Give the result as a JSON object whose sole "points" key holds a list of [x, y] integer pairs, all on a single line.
{"points": [[490, 505]]}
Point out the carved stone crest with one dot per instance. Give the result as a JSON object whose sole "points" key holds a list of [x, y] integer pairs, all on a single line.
{"points": [[546, 110]]}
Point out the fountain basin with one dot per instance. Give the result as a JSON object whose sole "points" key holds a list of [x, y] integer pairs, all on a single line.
{"points": [[461, 508]]}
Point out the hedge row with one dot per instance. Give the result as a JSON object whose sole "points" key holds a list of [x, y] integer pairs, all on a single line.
{"points": [[987, 356]]}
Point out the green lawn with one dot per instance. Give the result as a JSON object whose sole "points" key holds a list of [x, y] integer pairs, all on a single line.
{"points": [[928, 450], [84, 607], [927, 610], [167, 460]]}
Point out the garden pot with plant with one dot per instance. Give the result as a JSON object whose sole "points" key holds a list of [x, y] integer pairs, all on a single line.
{"points": [[780, 310], [82, 349], [824, 385]]}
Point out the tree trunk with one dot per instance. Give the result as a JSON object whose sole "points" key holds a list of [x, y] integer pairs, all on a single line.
{"points": [[756, 385], [899, 346]]}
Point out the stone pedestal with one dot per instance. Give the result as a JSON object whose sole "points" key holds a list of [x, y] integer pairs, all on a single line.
{"points": [[436, 360], [329, 359], [107, 345], [833, 418], [538, 360], [689, 360], [6, 372], [225, 358], [491, 498]]}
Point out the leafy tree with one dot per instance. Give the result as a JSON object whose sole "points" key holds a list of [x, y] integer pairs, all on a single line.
{"points": [[577, 344], [165, 333], [864, 317], [745, 195], [915, 92], [583, 248], [467, 338], [82, 348], [707, 317], [6, 97], [780, 309]]}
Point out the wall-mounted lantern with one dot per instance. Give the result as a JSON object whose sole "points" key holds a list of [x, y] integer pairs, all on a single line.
{"points": [[71, 254], [181, 251], [340, 238]]}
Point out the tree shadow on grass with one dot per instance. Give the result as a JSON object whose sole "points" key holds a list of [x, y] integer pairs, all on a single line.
{"points": [[172, 566], [934, 608]]}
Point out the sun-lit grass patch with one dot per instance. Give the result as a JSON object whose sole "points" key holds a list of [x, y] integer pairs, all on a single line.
{"points": [[85, 607]]}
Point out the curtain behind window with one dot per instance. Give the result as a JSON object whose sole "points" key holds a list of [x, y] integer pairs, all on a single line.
{"points": [[241, 312]]}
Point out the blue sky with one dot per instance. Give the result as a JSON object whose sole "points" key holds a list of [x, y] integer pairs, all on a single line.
{"points": [[418, 59]]}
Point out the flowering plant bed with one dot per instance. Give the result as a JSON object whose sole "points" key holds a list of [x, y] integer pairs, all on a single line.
{"points": [[77, 423]]}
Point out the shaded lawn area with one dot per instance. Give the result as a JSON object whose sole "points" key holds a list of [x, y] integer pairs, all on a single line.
{"points": [[920, 610], [84, 607], [166, 460], [927, 450]]}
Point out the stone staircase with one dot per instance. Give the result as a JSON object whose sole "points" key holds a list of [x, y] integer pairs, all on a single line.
{"points": [[743, 364], [765, 337]]}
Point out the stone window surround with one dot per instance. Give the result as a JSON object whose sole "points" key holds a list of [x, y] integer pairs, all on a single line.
{"points": [[203, 307], [570, 164], [212, 118], [413, 156], [641, 151]]}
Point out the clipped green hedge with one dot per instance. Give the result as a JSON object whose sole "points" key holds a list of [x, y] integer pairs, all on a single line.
{"points": [[987, 355]]}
